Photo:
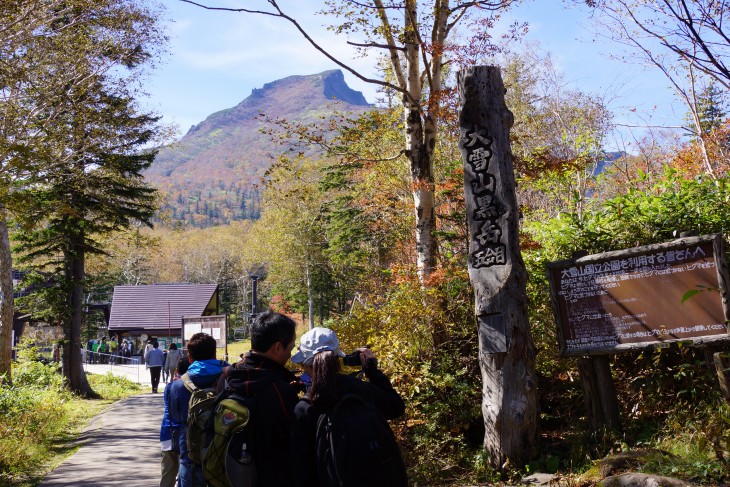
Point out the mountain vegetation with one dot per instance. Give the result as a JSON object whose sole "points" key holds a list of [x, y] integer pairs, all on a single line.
{"points": [[211, 176]]}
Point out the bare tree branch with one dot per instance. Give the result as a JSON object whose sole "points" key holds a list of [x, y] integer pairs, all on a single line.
{"points": [[375, 45], [280, 13]]}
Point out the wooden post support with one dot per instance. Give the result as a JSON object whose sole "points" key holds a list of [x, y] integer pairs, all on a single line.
{"points": [[599, 393], [496, 269], [722, 366], [722, 358]]}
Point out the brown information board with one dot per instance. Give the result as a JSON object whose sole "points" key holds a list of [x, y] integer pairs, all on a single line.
{"points": [[633, 298], [214, 326]]}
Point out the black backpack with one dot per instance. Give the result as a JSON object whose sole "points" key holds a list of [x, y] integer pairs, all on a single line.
{"points": [[356, 447]]}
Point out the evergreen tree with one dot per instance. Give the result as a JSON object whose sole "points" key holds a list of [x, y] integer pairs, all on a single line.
{"points": [[52, 53], [711, 104], [242, 207], [96, 190]]}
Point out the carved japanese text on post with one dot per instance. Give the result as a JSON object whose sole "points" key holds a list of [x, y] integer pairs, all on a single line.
{"points": [[487, 236], [638, 300]]}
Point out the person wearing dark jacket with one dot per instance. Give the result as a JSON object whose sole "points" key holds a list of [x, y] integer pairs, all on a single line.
{"points": [[204, 371], [319, 354], [262, 374]]}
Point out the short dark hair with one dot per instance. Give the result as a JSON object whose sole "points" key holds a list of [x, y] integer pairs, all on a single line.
{"points": [[201, 347], [173, 346], [182, 365], [271, 327]]}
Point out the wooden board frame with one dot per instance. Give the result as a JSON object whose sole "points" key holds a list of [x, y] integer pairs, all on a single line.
{"points": [[646, 286], [195, 324]]}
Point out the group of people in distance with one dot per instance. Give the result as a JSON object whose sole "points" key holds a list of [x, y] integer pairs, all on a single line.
{"points": [[287, 407], [101, 351]]}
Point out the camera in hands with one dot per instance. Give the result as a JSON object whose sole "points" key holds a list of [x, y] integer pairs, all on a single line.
{"points": [[353, 360]]}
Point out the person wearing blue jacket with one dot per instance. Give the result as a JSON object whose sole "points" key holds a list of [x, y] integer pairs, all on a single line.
{"points": [[170, 434], [154, 360], [204, 371]]}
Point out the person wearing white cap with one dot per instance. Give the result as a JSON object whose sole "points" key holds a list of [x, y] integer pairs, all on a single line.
{"points": [[319, 354]]}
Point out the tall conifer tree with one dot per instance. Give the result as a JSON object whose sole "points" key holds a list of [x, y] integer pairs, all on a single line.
{"points": [[97, 190], [69, 135]]}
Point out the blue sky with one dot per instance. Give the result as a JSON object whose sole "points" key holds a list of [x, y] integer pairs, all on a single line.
{"points": [[215, 59]]}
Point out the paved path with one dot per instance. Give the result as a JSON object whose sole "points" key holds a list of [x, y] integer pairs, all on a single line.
{"points": [[120, 447], [134, 372]]}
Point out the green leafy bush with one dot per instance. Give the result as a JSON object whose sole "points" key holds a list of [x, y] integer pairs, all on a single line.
{"points": [[37, 374], [28, 417], [442, 432]]}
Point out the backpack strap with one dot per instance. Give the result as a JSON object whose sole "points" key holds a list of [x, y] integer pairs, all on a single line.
{"points": [[188, 382]]}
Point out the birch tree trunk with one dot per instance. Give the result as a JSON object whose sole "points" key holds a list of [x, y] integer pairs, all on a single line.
{"points": [[419, 147], [496, 269], [310, 297], [6, 300]]}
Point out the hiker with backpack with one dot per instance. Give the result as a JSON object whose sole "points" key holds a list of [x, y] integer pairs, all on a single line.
{"points": [[340, 436], [170, 434], [258, 455], [187, 398], [173, 357]]}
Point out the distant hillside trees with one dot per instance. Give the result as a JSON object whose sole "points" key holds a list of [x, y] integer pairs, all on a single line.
{"points": [[212, 255], [206, 208], [75, 159], [687, 41]]}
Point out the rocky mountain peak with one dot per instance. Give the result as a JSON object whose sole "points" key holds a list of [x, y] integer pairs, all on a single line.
{"points": [[210, 174]]}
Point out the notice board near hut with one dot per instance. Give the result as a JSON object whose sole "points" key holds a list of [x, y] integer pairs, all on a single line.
{"points": [[214, 326], [640, 297]]}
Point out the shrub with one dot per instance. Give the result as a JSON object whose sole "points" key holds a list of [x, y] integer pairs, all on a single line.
{"points": [[37, 374], [442, 432], [28, 417]]}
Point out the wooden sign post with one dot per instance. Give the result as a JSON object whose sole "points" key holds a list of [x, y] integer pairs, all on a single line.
{"points": [[496, 269], [642, 297]]}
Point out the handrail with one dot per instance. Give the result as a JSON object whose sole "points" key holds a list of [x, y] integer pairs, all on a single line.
{"points": [[129, 366]]}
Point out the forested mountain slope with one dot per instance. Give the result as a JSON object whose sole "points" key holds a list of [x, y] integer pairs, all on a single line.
{"points": [[209, 176]]}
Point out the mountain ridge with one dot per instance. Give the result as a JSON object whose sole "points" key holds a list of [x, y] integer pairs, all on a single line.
{"points": [[209, 176]]}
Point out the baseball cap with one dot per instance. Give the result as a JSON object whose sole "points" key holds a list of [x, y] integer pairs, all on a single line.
{"points": [[314, 341]]}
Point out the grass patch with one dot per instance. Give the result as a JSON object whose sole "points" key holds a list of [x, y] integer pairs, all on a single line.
{"points": [[697, 449], [235, 349], [40, 422]]}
